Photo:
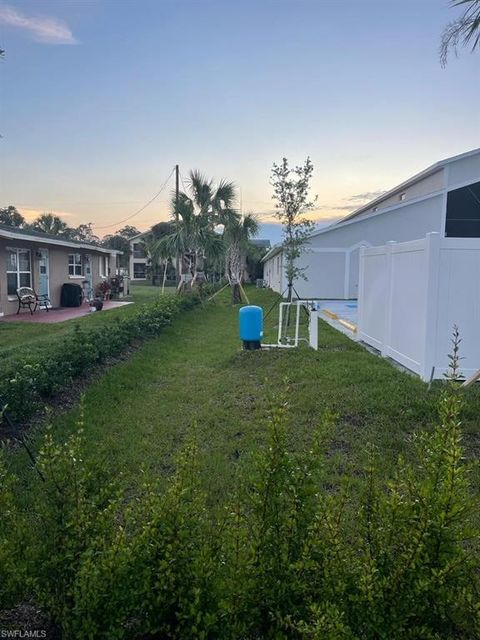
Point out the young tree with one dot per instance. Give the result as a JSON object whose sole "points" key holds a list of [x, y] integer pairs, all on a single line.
{"points": [[291, 188], [11, 216], [465, 30], [237, 234]]}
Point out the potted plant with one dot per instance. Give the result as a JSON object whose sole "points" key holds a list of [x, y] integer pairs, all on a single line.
{"points": [[102, 290]]}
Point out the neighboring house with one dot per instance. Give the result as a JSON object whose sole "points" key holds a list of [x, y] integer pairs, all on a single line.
{"points": [[45, 262], [254, 265], [444, 198], [138, 257]]}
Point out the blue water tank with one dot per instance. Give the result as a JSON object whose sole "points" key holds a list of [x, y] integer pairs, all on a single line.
{"points": [[251, 326]]}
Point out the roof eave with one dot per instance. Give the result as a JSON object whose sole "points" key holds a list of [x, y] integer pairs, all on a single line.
{"points": [[418, 176], [62, 243]]}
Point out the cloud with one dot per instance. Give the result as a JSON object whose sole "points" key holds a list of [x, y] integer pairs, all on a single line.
{"points": [[30, 214], [333, 207], [366, 196], [43, 29]]}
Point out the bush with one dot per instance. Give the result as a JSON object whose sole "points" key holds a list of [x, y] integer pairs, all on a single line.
{"points": [[291, 557], [31, 381], [13, 538]]}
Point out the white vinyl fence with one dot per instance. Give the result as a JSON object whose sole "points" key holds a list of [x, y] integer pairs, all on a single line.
{"points": [[410, 296]]}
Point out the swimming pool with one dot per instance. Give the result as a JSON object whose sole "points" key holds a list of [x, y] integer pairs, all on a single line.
{"points": [[341, 314]]}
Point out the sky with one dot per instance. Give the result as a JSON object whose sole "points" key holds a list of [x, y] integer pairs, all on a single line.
{"points": [[101, 98]]}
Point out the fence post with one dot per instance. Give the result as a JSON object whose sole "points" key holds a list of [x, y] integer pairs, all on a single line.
{"points": [[387, 327], [313, 329], [361, 291], [432, 266]]}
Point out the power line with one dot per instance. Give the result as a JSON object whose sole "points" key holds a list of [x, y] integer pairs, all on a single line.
{"points": [[114, 224], [183, 183]]}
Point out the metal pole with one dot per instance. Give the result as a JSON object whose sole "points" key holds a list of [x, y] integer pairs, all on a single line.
{"points": [[177, 257]]}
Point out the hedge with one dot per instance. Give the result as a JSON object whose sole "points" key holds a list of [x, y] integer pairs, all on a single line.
{"points": [[289, 557], [31, 381]]}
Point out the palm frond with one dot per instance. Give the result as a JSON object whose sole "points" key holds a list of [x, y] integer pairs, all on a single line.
{"points": [[464, 30], [225, 195], [201, 189], [251, 225]]}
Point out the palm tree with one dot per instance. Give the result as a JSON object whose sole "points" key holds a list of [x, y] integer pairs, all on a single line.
{"points": [[238, 231], [49, 223], [196, 214], [158, 254], [464, 30]]}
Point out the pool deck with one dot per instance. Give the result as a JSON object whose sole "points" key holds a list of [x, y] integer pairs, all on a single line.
{"points": [[340, 314]]}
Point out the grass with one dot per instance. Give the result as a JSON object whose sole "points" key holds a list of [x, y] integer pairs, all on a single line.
{"points": [[137, 415], [16, 336]]}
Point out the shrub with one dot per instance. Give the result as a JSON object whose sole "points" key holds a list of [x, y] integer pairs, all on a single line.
{"points": [[291, 557], [79, 536], [13, 538], [32, 380], [175, 560]]}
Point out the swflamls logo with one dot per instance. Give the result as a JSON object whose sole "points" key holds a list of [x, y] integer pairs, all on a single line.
{"points": [[18, 633]]}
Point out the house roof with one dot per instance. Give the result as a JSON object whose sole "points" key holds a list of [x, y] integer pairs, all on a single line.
{"points": [[140, 235], [258, 242], [369, 205], [15, 233], [400, 187], [277, 248]]}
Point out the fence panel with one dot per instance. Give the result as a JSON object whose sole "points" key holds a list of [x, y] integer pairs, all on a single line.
{"points": [[372, 295], [411, 295]]}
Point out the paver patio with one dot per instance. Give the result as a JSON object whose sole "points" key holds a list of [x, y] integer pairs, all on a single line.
{"points": [[60, 315]]}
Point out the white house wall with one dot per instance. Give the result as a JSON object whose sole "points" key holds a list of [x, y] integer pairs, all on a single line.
{"points": [[274, 273], [424, 187], [463, 171], [325, 271], [403, 223], [335, 273]]}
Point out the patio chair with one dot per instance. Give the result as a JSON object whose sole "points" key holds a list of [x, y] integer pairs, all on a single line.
{"points": [[43, 301], [27, 298]]}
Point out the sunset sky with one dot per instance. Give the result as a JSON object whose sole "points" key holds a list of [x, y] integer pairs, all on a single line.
{"points": [[100, 99]]}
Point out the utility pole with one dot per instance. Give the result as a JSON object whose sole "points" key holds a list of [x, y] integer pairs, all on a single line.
{"points": [[177, 258]]}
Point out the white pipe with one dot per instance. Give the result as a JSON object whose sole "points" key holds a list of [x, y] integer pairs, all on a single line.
{"points": [[297, 325]]}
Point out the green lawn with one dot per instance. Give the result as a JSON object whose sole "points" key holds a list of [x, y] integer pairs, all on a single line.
{"points": [[137, 414], [26, 337]]}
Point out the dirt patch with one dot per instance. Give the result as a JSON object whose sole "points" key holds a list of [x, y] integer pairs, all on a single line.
{"points": [[353, 419], [27, 618]]}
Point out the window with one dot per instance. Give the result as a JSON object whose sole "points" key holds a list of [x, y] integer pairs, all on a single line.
{"points": [[139, 270], [74, 264], [139, 250], [463, 212], [18, 270]]}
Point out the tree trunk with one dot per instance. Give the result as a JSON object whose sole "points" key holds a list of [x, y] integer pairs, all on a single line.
{"points": [[235, 273], [236, 293], [199, 274]]}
